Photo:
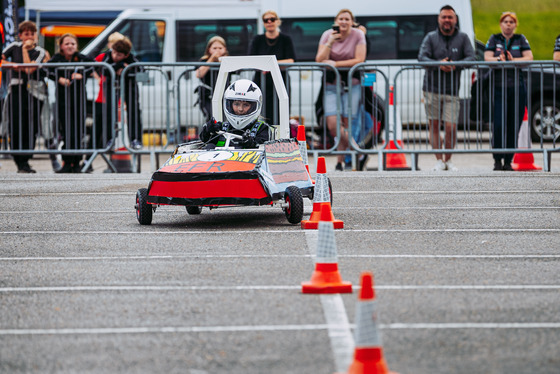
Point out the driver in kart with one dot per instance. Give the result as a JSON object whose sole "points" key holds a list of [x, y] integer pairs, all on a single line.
{"points": [[242, 107]]}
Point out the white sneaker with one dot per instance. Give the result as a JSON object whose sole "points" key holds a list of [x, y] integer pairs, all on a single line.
{"points": [[439, 166], [449, 166]]}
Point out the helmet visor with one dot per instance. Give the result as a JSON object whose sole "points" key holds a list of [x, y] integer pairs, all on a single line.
{"points": [[241, 107]]}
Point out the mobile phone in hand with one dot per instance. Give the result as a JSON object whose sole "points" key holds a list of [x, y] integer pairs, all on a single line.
{"points": [[336, 28]]}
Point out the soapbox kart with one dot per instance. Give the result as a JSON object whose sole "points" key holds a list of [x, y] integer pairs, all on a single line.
{"points": [[195, 177]]}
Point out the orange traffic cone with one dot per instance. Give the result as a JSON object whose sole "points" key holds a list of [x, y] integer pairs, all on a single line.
{"points": [[326, 277], [302, 141], [524, 161], [395, 161], [368, 354], [122, 160], [321, 197]]}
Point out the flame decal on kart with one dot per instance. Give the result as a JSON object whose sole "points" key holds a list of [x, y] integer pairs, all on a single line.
{"points": [[212, 162]]}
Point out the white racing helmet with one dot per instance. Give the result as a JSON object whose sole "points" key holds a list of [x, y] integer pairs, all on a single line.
{"points": [[242, 90]]}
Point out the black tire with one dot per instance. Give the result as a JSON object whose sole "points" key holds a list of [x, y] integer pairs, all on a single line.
{"points": [[545, 123], [294, 210], [143, 209], [193, 210]]}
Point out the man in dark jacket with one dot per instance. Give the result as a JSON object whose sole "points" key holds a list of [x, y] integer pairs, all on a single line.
{"points": [[441, 85]]}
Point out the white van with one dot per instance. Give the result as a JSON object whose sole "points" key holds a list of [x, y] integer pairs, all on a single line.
{"points": [[395, 31]]}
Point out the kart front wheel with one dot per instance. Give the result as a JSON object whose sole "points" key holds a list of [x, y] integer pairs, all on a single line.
{"points": [[294, 200], [194, 209], [143, 209]]}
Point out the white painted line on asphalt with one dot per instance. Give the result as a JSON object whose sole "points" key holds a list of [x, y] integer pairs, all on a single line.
{"points": [[194, 256], [155, 232], [518, 287], [166, 257], [295, 231], [28, 194], [273, 328], [368, 192], [340, 335], [352, 208], [373, 208], [160, 330], [481, 325], [446, 192]]}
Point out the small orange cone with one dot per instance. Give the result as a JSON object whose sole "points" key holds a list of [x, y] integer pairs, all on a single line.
{"points": [[122, 160], [395, 161], [368, 354], [302, 141], [524, 161], [326, 277], [321, 197]]}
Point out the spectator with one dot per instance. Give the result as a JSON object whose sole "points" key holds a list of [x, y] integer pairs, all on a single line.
{"points": [[119, 57], [102, 132], [272, 42], [215, 48], [242, 107], [508, 112], [71, 100], [441, 87], [24, 106], [343, 48], [556, 55]]}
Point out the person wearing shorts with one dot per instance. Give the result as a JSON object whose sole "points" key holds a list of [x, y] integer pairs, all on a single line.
{"points": [[341, 47], [441, 84]]}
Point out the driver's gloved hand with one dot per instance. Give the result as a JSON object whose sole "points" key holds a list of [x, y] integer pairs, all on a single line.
{"points": [[248, 141], [213, 126]]}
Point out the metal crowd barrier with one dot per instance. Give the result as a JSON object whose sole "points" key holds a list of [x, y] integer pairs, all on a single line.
{"points": [[150, 108], [486, 92], [50, 109]]}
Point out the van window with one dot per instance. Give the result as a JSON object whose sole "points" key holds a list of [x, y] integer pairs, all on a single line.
{"points": [[389, 37], [147, 38], [305, 34], [192, 36]]}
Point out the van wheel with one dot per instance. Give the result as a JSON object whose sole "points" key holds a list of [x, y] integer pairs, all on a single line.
{"points": [[545, 121]]}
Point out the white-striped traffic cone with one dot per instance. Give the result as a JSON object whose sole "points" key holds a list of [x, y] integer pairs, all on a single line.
{"points": [[395, 161], [524, 161], [302, 142], [368, 354], [326, 278], [321, 197]]}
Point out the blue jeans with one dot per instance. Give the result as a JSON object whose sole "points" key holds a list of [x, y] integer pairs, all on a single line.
{"points": [[361, 125]]}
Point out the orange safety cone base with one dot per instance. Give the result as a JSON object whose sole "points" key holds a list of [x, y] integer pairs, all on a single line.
{"points": [[396, 160], [314, 225], [313, 222], [122, 161], [524, 162], [326, 279], [368, 361]]}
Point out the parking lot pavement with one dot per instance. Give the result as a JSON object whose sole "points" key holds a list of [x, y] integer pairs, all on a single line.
{"points": [[465, 265]]}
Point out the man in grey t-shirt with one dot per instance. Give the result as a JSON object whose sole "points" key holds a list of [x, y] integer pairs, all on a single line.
{"points": [[441, 85]]}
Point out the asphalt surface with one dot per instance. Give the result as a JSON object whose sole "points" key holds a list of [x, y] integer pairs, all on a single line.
{"points": [[466, 268]]}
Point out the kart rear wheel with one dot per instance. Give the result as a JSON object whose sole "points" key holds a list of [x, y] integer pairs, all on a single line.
{"points": [[194, 209], [294, 199], [143, 209]]}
